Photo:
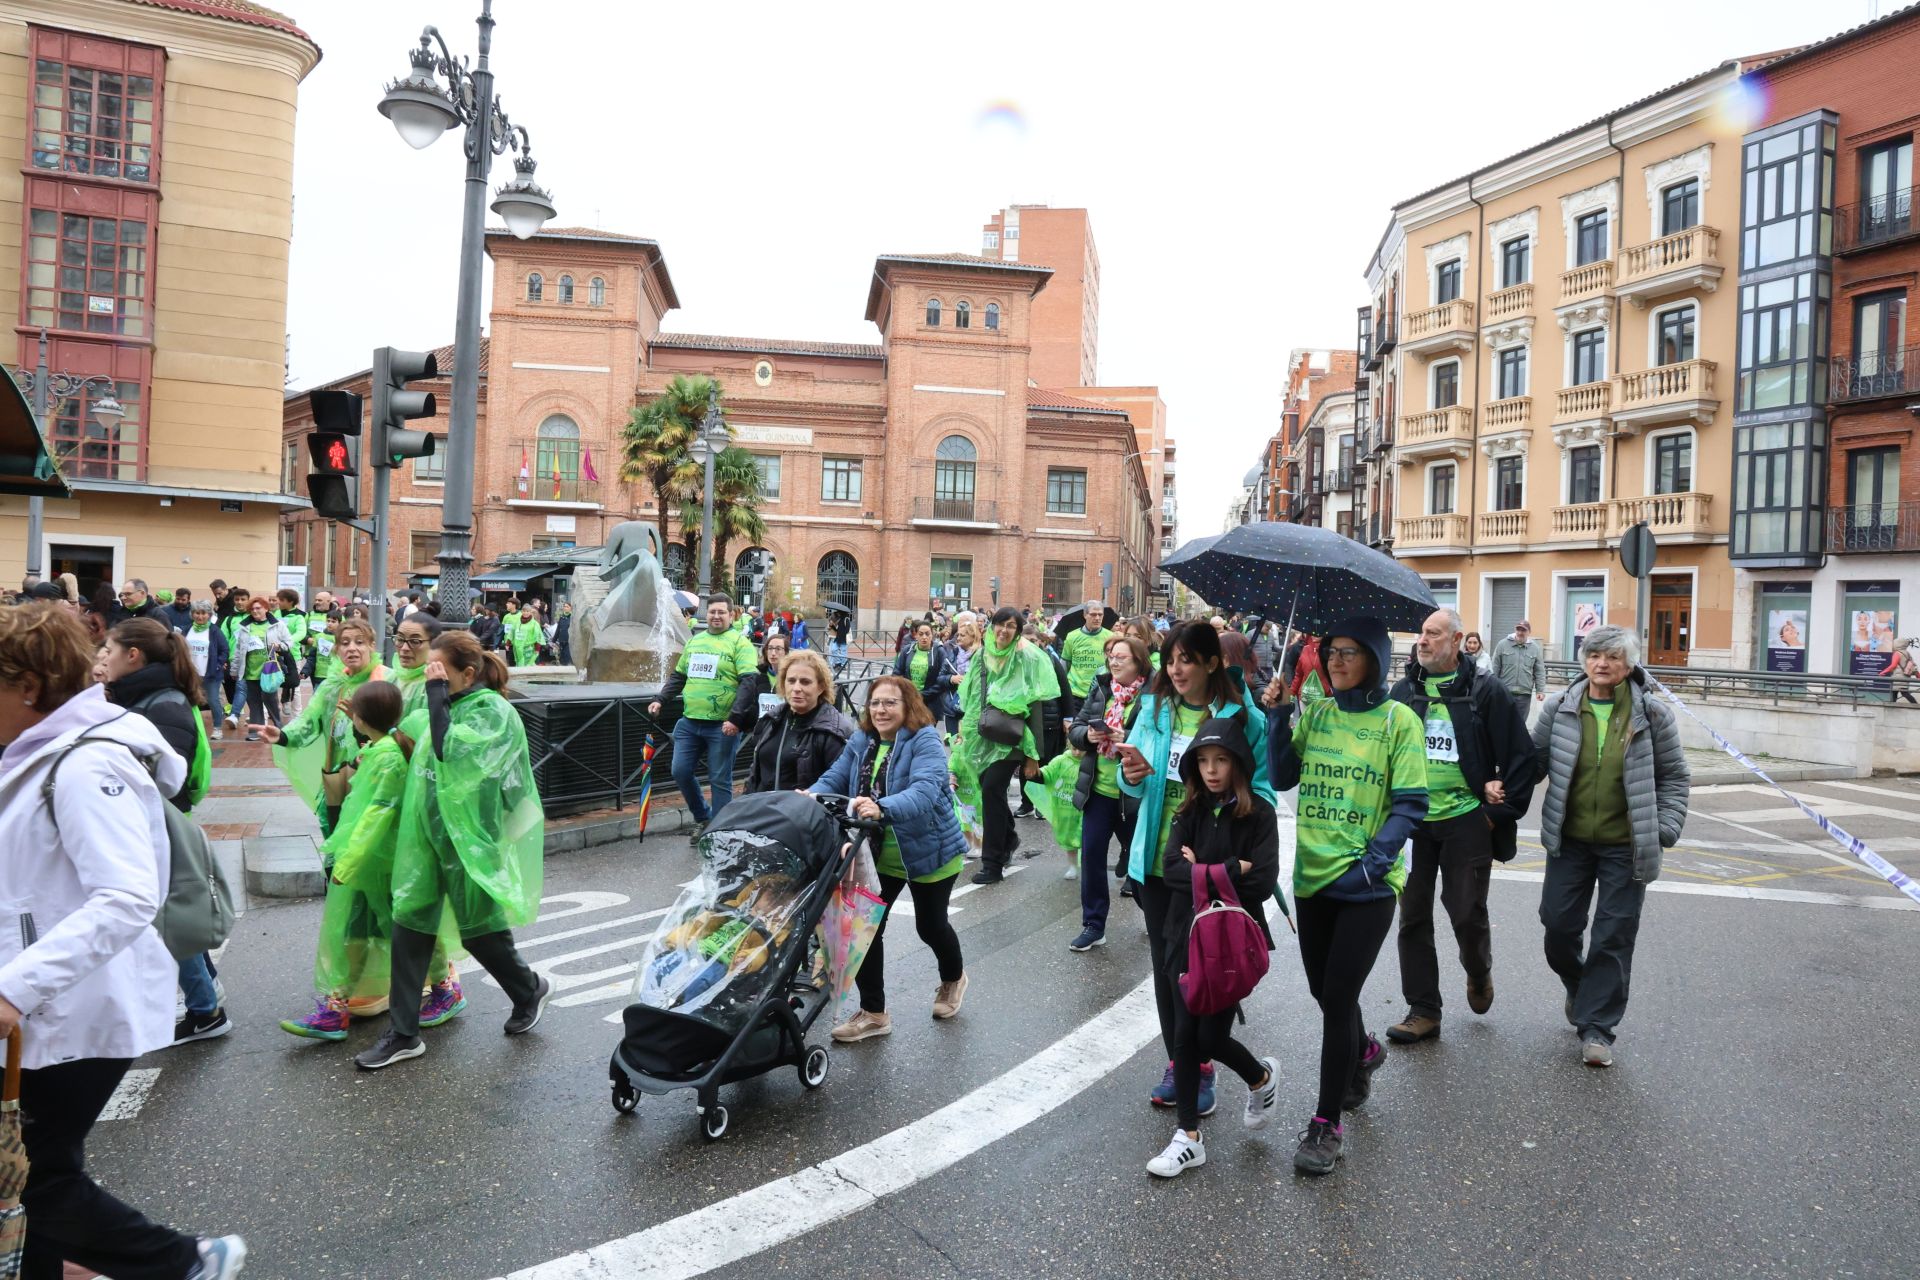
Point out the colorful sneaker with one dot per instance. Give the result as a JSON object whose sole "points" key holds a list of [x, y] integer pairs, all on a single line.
{"points": [[328, 1021], [443, 1003], [1206, 1101], [1182, 1154], [1163, 1095], [1319, 1148]]}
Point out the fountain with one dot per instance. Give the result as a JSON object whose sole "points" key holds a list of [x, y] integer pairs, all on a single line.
{"points": [[635, 631]]}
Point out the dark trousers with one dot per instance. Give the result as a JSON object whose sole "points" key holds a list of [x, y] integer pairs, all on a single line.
{"points": [[259, 700], [1198, 1039], [69, 1217], [1597, 980], [413, 952], [1103, 818], [1339, 941], [929, 921], [1459, 853], [1154, 896], [996, 818]]}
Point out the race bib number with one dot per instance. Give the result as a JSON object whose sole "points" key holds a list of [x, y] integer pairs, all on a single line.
{"points": [[323, 645], [770, 703], [703, 666], [1440, 743], [1176, 752]]}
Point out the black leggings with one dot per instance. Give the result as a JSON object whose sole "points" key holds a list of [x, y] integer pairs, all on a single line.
{"points": [[1339, 941], [929, 920], [996, 818]]}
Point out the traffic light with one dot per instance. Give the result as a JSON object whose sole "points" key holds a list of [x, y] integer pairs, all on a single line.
{"points": [[394, 404], [333, 448]]}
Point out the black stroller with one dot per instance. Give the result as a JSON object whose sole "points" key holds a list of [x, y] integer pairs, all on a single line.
{"points": [[733, 979]]}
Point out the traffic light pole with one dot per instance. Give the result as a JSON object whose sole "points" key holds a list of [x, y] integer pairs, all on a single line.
{"points": [[377, 605]]}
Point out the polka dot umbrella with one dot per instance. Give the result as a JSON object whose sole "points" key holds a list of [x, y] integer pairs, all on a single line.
{"points": [[1313, 576]]}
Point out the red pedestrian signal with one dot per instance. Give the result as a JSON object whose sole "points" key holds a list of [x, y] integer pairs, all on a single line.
{"points": [[337, 460], [333, 448]]}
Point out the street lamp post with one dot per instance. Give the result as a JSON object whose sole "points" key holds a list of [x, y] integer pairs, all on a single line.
{"points": [[706, 448], [41, 386], [421, 110]]}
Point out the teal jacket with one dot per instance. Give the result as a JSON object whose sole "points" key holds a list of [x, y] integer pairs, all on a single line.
{"points": [[1152, 732]]}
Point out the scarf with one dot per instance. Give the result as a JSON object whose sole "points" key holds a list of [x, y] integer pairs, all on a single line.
{"points": [[1123, 695]]}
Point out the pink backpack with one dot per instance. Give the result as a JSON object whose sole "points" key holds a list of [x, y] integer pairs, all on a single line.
{"points": [[1226, 950]]}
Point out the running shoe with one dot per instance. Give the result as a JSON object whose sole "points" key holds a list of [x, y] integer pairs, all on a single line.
{"points": [[1260, 1100], [220, 1258], [863, 1026], [1206, 1100], [1088, 939], [443, 1004], [1597, 1053], [1319, 1148], [389, 1049], [1163, 1094], [526, 1019], [1360, 1088], [201, 1026], [328, 1021], [948, 996], [1182, 1154]]}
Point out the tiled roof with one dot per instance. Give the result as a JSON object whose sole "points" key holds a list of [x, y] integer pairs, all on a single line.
{"points": [[1769, 60], [768, 346], [966, 260], [253, 15], [576, 233], [442, 357], [1039, 399]]}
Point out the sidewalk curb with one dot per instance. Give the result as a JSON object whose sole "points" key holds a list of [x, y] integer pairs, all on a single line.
{"points": [[1731, 774]]}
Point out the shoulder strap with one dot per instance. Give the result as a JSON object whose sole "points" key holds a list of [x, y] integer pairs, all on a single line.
{"points": [[46, 788]]}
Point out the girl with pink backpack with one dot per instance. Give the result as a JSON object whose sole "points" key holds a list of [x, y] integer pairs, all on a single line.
{"points": [[1228, 866]]}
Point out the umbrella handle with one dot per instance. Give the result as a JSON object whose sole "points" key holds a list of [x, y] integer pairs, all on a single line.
{"points": [[10, 1089]]}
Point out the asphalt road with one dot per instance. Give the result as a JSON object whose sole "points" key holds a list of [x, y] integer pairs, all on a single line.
{"points": [[1759, 1122]]}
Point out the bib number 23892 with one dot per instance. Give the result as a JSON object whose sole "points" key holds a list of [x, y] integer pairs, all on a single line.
{"points": [[703, 666]]}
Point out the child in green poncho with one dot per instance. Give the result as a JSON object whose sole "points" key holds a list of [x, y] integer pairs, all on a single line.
{"points": [[352, 967], [471, 840]]}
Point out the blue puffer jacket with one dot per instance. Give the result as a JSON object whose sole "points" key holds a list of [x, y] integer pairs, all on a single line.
{"points": [[1152, 732], [917, 796]]}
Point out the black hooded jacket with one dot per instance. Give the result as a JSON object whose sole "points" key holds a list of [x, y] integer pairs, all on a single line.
{"points": [[151, 691], [1228, 838], [1491, 730]]}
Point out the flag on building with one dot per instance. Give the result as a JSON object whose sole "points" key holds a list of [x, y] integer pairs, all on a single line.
{"points": [[586, 466], [523, 470], [556, 477]]}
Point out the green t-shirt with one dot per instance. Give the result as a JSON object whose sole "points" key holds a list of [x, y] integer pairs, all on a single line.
{"points": [[714, 665], [1085, 654], [296, 625], [319, 644], [1448, 795], [888, 861], [1350, 764], [257, 658], [1186, 722], [1603, 712], [917, 666], [1106, 777]]}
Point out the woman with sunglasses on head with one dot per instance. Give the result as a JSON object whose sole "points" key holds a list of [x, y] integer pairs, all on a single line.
{"points": [[1359, 759]]}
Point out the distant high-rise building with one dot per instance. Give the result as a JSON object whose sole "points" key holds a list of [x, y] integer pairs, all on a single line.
{"points": [[1066, 316]]}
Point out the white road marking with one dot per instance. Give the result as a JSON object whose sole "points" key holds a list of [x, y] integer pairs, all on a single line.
{"points": [[903, 905], [584, 901], [1751, 892], [1885, 793], [1816, 849], [524, 943], [787, 1208], [126, 1101]]}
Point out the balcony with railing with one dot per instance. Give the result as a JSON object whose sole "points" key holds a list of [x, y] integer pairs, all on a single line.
{"points": [[1515, 413], [551, 477], [1509, 303], [1883, 219], [1430, 533], [962, 512], [1380, 340], [1580, 522], [1498, 527], [1880, 373], [1447, 327], [1682, 392], [1883, 526], [1673, 517], [1436, 432], [1685, 260], [1590, 281], [1589, 400], [1340, 479], [1363, 440]]}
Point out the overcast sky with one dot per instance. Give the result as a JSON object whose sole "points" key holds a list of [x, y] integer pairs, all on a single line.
{"points": [[1238, 160]]}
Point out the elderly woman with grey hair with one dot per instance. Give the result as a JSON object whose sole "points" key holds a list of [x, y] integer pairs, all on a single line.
{"points": [[1617, 784]]}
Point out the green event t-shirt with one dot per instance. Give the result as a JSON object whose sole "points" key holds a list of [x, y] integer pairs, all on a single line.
{"points": [[1350, 764], [714, 666], [888, 861], [917, 666], [1448, 795], [1186, 722], [1085, 654], [256, 658], [1602, 712]]}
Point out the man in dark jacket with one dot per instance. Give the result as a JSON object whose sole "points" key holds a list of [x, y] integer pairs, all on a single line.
{"points": [[135, 602], [1480, 772]]}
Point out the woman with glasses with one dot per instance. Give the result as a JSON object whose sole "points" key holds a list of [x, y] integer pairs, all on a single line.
{"points": [[1359, 759], [411, 640], [896, 766], [759, 691]]}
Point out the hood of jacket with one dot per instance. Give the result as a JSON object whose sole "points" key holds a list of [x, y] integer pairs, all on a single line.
{"points": [[91, 714], [144, 683], [1372, 633], [1221, 731]]}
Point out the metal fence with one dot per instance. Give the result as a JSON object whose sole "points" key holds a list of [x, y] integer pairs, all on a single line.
{"points": [[1782, 688]]}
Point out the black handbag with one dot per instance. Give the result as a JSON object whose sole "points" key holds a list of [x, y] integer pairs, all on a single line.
{"points": [[996, 725]]}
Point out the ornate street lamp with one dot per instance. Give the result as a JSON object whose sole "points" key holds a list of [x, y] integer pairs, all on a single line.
{"points": [[422, 108], [43, 387]]}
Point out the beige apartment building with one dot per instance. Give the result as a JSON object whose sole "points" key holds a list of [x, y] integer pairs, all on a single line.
{"points": [[1547, 360], [144, 229]]}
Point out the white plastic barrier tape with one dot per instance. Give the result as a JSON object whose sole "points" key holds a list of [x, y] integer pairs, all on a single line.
{"points": [[1845, 839]]}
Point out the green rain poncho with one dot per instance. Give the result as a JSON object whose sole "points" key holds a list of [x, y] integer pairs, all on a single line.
{"points": [[524, 637], [320, 739], [1018, 680], [472, 832], [412, 683]]}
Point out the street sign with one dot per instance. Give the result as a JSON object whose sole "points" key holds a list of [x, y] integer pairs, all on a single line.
{"points": [[1637, 550]]}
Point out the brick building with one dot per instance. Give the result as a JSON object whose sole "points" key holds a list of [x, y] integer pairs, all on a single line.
{"points": [[929, 464], [1826, 474], [1301, 476]]}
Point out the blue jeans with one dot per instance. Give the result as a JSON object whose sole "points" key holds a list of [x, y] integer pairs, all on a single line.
{"points": [[837, 654], [196, 983], [1100, 821], [237, 707], [690, 738]]}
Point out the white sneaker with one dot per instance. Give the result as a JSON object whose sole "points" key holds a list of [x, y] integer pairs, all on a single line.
{"points": [[221, 1259], [1182, 1154], [1260, 1101]]}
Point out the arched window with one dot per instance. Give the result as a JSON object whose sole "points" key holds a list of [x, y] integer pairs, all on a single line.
{"points": [[536, 287], [556, 469], [677, 565], [993, 316], [750, 570], [839, 580], [962, 314], [933, 313], [597, 292], [566, 288], [953, 464]]}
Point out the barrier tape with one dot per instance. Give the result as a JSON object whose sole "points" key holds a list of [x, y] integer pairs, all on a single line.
{"points": [[1845, 839]]}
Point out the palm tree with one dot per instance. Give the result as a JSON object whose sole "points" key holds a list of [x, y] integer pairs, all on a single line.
{"points": [[658, 435], [736, 509]]}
